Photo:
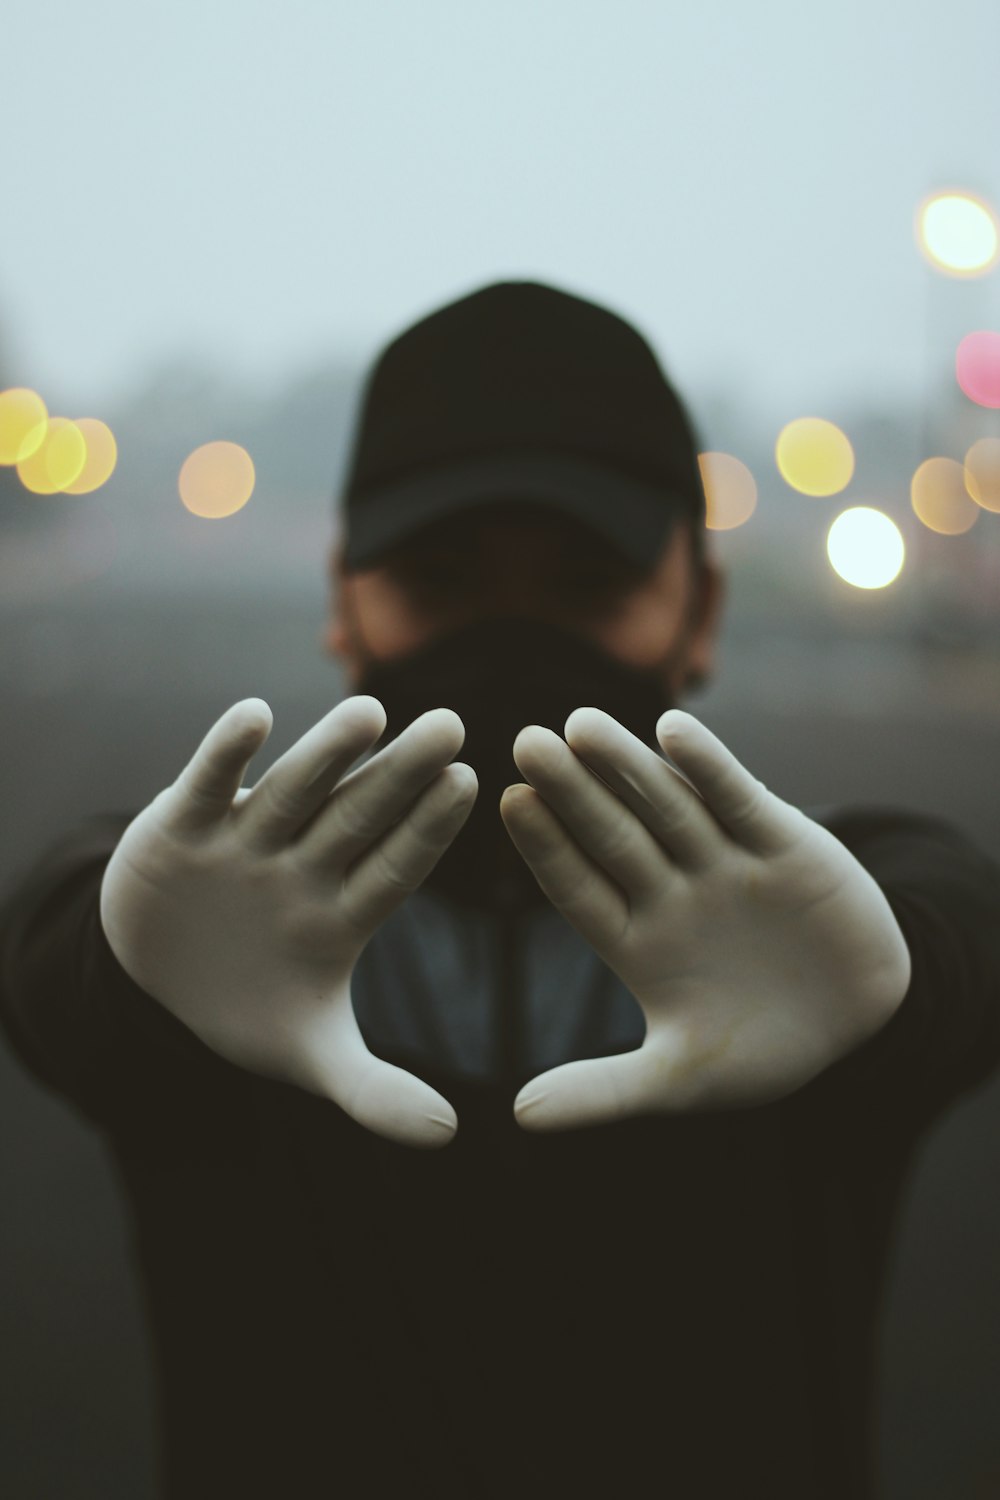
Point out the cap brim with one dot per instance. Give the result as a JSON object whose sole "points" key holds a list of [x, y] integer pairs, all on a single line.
{"points": [[632, 514]]}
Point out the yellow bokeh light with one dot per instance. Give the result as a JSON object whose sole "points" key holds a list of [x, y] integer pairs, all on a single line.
{"points": [[58, 461], [957, 232], [865, 547], [730, 490], [216, 480], [23, 420], [982, 473], [102, 455], [814, 456], [940, 499]]}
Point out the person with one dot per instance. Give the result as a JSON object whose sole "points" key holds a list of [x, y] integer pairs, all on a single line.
{"points": [[534, 1122]]}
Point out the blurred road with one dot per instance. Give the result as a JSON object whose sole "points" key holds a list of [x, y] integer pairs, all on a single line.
{"points": [[106, 700]]}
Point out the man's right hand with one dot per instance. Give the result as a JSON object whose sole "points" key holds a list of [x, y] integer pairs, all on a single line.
{"points": [[244, 910]]}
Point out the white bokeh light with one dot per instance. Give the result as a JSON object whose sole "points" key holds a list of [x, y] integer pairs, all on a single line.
{"points": [[865, 547], [958, 233]]}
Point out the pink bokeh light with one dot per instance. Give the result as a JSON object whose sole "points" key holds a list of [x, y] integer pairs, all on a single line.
{"points": [[977, 367]]}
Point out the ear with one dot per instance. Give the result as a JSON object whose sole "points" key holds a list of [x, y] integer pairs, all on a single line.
{"points": [[704, 621]]}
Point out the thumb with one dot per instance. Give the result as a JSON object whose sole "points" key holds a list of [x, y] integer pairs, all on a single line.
{"points": [[336, 1063], [595, 1091], [394, 1103]]}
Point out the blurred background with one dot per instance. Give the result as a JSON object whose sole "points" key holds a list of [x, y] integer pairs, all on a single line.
{"points": [[213, 219]]}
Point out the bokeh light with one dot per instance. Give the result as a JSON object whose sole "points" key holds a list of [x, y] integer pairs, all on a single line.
{"points": [[730, 490], [102, 455], [982, 472], [216, 480], [977, 367], [940, 499], [865, 547], [23, 421], [58, 461], [957, 233], [814, 456]]}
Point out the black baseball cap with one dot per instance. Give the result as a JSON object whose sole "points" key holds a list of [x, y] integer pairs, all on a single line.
{"points": [[520, 391]]}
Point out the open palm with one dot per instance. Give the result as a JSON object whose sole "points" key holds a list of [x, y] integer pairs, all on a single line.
{"points": [[757, 946]]}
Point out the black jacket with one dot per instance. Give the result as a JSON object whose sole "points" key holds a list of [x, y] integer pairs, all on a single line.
{"points": [[684, 1306]]}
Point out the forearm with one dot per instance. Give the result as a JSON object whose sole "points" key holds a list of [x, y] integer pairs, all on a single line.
{"points": [[944, 891], [70, 1012]]}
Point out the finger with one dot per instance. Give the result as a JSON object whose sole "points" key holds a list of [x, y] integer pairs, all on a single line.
{"points": [[299, 781], [398, 1105], [742, 804], [585, 895], [670, 808], [380, 1096], [375, 796], [377, 883], [595, 1091], [205, 789], [595, 815]]}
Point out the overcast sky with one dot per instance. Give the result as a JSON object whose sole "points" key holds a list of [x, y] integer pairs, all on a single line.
{"points": [[266, 187]]}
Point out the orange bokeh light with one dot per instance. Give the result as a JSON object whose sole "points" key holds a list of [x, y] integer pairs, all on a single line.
{"points": [[730, 490], [216, 480]]}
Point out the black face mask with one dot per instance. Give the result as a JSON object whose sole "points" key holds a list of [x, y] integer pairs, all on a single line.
{"points": [[500, 674]]}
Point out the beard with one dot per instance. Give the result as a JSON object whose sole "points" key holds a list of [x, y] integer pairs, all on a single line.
{"points": [[500, 674]]}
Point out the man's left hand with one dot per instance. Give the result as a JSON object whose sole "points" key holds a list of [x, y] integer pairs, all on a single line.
{"points": [[758, 948]]}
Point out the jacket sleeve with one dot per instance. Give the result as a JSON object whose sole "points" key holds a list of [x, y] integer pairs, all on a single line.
{"points": [[72, 1015], [944, 1038]]}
